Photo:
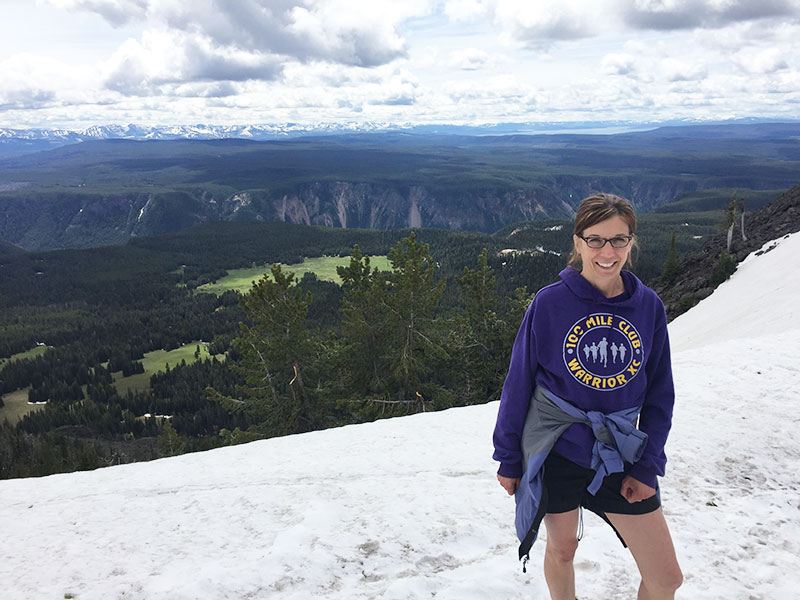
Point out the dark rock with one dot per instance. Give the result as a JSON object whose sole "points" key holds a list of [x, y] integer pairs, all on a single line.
{"points": [[694, 281]]}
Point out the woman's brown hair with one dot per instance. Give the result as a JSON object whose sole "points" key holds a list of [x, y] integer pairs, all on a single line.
{"points": [[596, 209]]}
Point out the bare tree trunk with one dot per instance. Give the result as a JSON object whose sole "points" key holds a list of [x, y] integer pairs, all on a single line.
{"points": [[304, 403], [744, 237]]}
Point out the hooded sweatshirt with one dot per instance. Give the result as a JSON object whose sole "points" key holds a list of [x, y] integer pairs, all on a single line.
{"points": [[599, 354]]}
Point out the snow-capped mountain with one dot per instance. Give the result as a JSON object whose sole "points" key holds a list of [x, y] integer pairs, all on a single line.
{"points": [[15, 142], [409, 507], [199, 131], [283, 130]]}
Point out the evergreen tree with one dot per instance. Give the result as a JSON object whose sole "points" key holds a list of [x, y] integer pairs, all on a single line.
{"points": [[670, 266], [169, 442], [412, 302], [413, 347], [485, 335], [364, 328], [276, 357], [723, 269], [393, 358]]}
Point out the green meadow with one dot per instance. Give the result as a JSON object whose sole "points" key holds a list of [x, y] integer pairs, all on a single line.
{"points": [[32, 353], [159, 360], [324, 267], [15, 405]]}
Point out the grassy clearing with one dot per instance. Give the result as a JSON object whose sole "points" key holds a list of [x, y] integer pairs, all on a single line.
{"points": [[32, 353], [15, 406], [158, 360], [324, 267]]}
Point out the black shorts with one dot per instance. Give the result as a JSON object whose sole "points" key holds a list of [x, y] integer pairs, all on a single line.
{"points": [[566, 482]]}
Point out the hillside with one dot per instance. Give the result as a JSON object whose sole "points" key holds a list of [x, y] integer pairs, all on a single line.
{"points": [[409, 507], [696, 269], [108, 191], [7, 249]]}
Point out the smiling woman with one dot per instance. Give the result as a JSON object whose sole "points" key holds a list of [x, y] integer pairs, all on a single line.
{"points": [[591, 362], [604, 229]]}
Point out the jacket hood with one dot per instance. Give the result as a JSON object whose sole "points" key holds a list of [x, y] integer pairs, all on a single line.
{"points": [[584, 290]]}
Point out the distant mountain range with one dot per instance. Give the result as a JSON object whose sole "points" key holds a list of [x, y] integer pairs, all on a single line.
{"points": [[22, 141], [115, 183]]}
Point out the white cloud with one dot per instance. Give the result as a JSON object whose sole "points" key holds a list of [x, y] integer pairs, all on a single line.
{"points": [[619, 64], [238, 40], [417, 60], [466, 10], [26, 99], [683, 70], [350, 32], [116, 12], [468, 59], [691, 14], [216, 89], [756, 61], [163, 57], [544, 21], [35, 83]]}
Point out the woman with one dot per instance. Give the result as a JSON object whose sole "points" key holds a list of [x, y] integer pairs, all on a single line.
{"points": [[590, 359]]}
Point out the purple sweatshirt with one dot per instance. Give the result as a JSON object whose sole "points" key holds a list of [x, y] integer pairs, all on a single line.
{"points": [[600, 354]]}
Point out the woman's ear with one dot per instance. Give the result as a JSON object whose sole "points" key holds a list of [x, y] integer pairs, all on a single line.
{"points": [[575, 256]]}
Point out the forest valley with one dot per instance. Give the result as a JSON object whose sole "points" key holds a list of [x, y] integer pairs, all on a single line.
{"points": [[292, 355]]}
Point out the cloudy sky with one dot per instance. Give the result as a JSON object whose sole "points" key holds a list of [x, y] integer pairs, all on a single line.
{"points": [[75, 63]]}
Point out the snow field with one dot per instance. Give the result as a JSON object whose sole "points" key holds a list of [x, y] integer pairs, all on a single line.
{"points": [[409, 508]]}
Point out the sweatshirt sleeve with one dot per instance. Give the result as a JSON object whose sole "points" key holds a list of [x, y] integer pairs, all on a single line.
{"points": [[515, 399], [656, 416]]}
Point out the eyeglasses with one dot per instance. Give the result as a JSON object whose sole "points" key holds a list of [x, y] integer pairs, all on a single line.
{"points": [[596, 242]]}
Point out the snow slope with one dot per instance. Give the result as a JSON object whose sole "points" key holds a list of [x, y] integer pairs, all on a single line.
{"points": [[410, 508]]}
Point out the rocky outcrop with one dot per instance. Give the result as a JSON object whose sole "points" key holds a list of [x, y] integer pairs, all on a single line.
{"points": [[362, 205], [695, 278], [75, 219]]}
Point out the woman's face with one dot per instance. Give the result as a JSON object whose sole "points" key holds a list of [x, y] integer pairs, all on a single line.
{"points": [[601, 266]]}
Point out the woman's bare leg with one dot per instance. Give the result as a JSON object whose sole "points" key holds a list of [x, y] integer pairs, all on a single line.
{"points": [[650, 543], [562, 542]]}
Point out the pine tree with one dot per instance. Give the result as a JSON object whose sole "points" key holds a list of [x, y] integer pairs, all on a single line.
{"points": [[414, 349], [169, 442], [362, 360], [670, 266], [276, 356], [725, 267], [484, 336], [393, 356]]}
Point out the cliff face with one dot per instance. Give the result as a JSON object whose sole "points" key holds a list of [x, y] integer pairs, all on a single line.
{"points": [[343, 204], [347, 204], [695, 273], [78, 219], [75, 219]]}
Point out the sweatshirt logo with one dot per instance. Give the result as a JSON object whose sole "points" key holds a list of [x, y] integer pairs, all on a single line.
{"points": [[603, 352]]}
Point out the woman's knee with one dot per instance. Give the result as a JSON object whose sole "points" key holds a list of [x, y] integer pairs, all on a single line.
{"points": [[664, 582], [562, 550]]}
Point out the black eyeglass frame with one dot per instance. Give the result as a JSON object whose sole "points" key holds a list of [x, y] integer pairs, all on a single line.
{"points": [[595, 238]]}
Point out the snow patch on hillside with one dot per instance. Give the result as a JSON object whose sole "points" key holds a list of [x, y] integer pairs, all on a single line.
{"points": [[760, 299]]}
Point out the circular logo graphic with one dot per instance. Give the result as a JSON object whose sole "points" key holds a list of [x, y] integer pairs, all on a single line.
{"points": [[603, 351]]}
